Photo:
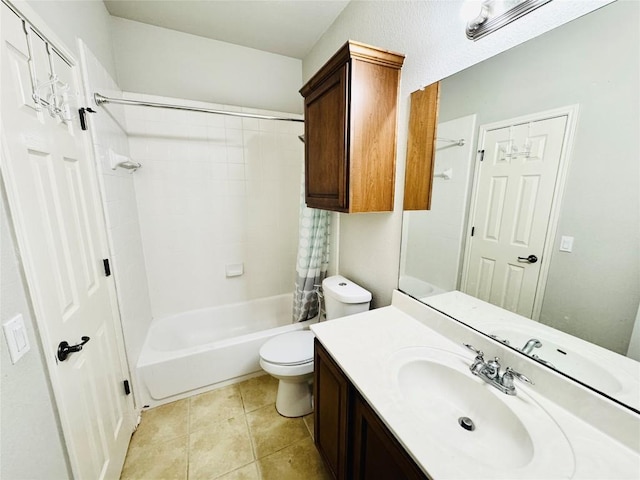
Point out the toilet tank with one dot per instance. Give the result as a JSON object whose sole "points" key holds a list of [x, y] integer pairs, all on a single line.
{"points": [[342, 297]]}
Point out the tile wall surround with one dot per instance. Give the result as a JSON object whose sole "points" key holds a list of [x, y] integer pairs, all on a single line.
{"points": [[215, 190], [121, 213]]}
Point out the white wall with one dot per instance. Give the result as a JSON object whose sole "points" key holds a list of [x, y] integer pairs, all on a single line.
{"points": [[28, 416], [431, 34], [158, 61], [215, 190], [121, 214]]}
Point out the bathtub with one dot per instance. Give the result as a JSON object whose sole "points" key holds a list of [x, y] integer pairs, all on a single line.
{"points": [[418, 288], [194, 351]]}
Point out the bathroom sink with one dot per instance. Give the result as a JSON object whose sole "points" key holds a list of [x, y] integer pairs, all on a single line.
{"points": [[495, 432]]}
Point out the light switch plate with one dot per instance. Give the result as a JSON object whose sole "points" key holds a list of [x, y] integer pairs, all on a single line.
{"points": [[15, 334], [566, 244]]}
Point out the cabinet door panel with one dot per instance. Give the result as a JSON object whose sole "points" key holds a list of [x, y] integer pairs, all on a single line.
{"points": [[331, 393], [376, 453], [326, 143]]}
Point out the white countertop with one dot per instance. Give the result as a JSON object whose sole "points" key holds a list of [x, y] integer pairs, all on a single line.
{"points": [[362, 344]]}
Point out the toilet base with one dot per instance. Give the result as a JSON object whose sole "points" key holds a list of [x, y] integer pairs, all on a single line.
{"points": [[294, 398]]}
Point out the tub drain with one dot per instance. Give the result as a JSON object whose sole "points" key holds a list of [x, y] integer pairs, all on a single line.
{"points": [[466, 423]]}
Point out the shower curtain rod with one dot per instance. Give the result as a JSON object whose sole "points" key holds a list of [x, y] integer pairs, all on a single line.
{"points": [[102, 100]]}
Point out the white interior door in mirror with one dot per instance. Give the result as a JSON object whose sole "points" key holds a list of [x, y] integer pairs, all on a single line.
{"points": [[513, 196]]}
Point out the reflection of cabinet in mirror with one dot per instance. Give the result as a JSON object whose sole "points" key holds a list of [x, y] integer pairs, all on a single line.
{"points": [[350, 130], [423, 119]]}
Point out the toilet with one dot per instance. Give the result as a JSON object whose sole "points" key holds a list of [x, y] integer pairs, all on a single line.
{"points": [[289, 357]]}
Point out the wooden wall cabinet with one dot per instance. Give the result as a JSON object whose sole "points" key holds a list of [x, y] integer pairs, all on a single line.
{"points": [[350, 130], [352, 440]]}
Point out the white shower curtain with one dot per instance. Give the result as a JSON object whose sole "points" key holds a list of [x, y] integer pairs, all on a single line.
{"points": [[313, 259]]}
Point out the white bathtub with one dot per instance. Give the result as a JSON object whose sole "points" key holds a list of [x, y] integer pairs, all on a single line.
{"points": [[201, 348], [418, 288]]}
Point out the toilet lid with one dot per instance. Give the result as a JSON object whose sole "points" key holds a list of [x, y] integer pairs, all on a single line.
{"points": [[293, 348]]}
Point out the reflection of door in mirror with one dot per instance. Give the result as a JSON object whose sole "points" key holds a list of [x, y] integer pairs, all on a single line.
{"points": [[513, 195]]}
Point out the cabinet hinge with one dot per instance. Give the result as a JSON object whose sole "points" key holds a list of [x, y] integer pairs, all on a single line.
{"points": [[481, 153], [127, 388], [473, 230], [107, 267]]}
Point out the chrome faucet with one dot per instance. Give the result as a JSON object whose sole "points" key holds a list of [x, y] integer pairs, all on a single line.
{"points": [[530, 345], [490, 372]]}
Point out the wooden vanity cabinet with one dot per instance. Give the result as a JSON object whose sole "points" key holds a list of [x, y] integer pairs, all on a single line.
{"points": [[350, 130], [351, 438], [331, 412]]}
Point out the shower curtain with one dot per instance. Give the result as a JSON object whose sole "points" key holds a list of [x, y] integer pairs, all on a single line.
{"points": [[313, 259]]}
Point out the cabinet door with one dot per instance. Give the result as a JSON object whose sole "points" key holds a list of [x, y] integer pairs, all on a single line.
{"points": [[376, 453], [331, 396], [326, 140]]}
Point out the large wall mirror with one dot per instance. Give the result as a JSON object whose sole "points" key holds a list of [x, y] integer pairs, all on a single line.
{"points": [[568, 102]]}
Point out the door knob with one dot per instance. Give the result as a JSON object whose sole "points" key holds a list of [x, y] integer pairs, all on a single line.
{"points": [[529, 259], [64, 349]]}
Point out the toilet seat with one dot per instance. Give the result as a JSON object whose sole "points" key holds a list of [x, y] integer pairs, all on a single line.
{"points": [[289, 349]]}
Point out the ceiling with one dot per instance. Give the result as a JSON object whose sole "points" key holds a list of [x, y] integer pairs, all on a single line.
{"points": [[288, 27]]}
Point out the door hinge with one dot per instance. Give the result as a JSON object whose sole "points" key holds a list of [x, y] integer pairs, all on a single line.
{"points": [[83, 116], [107, 267], [481, 152], [473, 230], [127, 388]]}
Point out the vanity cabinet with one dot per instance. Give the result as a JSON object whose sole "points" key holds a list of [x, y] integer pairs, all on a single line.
{"points": [[350, 130], [351, 438]]}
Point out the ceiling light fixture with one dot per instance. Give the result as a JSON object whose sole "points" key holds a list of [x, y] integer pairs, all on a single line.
{"points": [[495, 14]]}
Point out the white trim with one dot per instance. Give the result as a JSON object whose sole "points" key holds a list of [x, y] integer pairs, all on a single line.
{"points": [[571, 112]]}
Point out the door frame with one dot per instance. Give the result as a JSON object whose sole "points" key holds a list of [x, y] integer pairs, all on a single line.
{"points": [[569, 111], [25, 11]]}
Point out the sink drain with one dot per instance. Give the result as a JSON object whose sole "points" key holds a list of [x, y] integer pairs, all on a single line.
{"points": [[466, 423]]}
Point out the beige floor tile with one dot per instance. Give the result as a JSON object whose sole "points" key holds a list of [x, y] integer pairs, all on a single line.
{"points": [[164, 460], [163, 423], [212, 407], [271, 432], [258, 392], [308, 421], [248, 472], [220, 448], [298, 461]]}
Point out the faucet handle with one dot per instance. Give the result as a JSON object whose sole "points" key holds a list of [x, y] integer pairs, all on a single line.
{"points": [[511, 373]]}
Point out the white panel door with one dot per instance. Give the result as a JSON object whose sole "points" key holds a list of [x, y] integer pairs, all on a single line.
{"points": [[52, 191], [513, 199]]}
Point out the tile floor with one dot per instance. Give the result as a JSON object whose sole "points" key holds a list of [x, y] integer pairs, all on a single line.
{"points": [[230, 433]]}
